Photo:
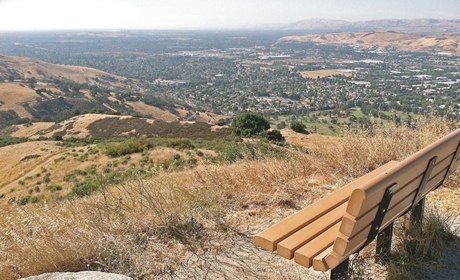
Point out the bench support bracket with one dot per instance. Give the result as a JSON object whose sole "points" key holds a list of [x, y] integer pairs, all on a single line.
{"points": [[340, 271], [426, 177], [456, 156], [383, 207]]}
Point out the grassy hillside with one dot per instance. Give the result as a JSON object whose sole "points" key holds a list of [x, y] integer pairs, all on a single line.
{"points": [[388, 39], [195, 221], [32, 90]]}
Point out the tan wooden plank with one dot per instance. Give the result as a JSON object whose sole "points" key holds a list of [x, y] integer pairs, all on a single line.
{"points": [[305, 254], [287, 247], [412, 167], [370, 193], [435, 182], [441, 164], [352, 225], [333, 260], [269, 238], [319, 262], [454, 166], [345, 246]]}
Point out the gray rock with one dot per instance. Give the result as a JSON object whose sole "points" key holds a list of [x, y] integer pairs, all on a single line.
{"points": [[82, 275]]}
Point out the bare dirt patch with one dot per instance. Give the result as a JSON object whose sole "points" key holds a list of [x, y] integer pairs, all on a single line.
{"points": [[324, 73]]}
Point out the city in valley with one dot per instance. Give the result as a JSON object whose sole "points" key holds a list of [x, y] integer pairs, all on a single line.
{"points": [[322, 84]]}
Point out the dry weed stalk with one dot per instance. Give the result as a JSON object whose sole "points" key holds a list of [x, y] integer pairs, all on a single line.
{"points": [[138, 227]]}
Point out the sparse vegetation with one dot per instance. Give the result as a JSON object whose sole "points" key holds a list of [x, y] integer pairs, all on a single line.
{"points": [[9, 140], [29, 157], [420, 249], [206, 207]]}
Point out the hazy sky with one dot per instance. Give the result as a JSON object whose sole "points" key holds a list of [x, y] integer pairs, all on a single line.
{"points": [[206, 14]]}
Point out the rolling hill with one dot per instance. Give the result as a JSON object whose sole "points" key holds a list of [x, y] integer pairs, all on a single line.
{"points": [[415, 26], [34, 90], [386, 39]]}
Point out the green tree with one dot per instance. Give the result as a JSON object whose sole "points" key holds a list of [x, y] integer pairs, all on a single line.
{"points": [[221, 122], [249, 124], [275, 135], [298, 126], [281, 125]]}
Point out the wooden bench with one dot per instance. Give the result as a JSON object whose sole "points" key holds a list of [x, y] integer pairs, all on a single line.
{"points": [[323, 235]]}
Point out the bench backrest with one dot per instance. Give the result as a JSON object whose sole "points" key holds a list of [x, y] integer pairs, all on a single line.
{"points": [[378, 202]]}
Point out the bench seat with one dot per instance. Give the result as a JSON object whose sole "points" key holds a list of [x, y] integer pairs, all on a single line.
{"points": [[315, 224]]}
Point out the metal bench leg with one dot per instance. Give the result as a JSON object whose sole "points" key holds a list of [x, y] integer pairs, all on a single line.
{"points": [[417, 213], [340, 272], [384, 244]]}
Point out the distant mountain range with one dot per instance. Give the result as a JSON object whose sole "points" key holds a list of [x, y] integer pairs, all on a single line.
{"points": [[421, 26]]}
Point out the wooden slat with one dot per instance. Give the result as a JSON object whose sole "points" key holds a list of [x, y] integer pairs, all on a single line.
{"points": [[411, 167], [441, 164], [454, 166], [435, 181], [401, 192], [269, 238], [319, 262], [352, 225], [305, 254], [345, 246], [287, 247], [333, 259]]}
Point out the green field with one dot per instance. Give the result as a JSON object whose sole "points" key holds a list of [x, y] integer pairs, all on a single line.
{"points": [[323, 123]]}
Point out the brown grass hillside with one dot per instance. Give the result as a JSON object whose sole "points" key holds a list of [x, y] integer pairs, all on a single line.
{"points": [[399, 41], [29, 67], [198, 223], [13, 95]]}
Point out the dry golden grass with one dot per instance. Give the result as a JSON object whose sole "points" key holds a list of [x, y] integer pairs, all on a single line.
{"points": [[198, 223], [323, 73], [28, 130], [28, 67], [400, 41], [12, 95], [156, 112]]}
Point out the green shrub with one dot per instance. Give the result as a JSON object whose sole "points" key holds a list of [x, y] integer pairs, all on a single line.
{"points": [[86, 187], [129, 146], [46, 178], [298, 127], [91, 170], [93, 151], [54, 188], [58, 160], [27, 199], [29, 157], [72, 176], [83, 157], [249, 125]]}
